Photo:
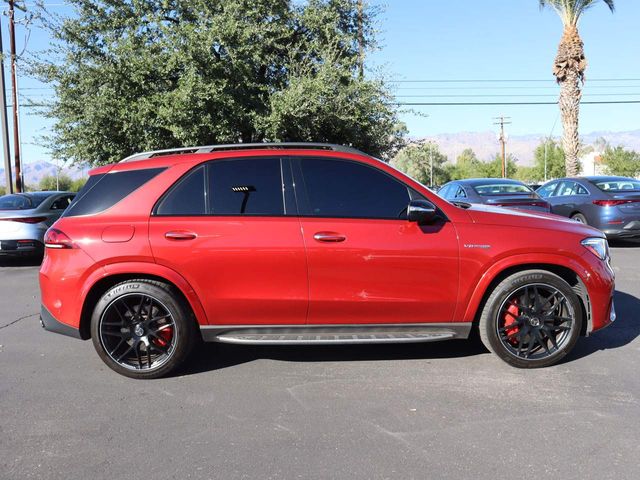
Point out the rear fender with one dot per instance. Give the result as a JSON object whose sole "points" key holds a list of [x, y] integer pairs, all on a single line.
{"points": [[144, 269]]}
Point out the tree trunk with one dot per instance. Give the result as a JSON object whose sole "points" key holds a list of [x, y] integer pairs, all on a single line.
{"points": [[569, 68]]}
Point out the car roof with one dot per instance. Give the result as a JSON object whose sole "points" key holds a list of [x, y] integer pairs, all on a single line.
{"points": [[172, 157], [481, 181]]}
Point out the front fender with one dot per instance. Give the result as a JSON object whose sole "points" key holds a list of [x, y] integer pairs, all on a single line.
{"points": [[533, 259]]}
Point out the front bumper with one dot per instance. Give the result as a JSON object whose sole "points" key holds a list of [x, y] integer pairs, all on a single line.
{"points": [[50, 323]]}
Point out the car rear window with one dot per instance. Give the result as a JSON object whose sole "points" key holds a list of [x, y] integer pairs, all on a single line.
{"points": [[104, 191], [618, 185], [501, 189], [15, 202]]}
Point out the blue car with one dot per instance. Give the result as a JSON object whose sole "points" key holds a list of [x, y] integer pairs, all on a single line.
{"points": [[610, 204]]}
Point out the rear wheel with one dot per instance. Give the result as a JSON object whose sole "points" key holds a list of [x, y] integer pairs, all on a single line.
{"points": [[531, 319], [142, 329], [580, 218]]}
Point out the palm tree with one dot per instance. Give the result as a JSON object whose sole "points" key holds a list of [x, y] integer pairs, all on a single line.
{"points": [[568, 68]]}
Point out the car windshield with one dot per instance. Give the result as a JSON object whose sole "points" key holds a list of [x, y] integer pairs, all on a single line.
{"points": [[17, 202], [623, 185], [501, 189]]}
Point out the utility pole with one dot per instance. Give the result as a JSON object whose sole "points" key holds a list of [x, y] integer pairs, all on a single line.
{"points": [[431, 164], [4, 124], [14, 92], [361, 37], [502, 121]]}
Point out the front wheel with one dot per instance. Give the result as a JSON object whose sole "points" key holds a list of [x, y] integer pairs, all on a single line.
{"points": [[142, 329], [531, 319]]}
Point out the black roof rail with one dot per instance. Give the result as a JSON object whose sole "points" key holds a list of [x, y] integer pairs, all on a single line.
{"points": [[243, 146]]}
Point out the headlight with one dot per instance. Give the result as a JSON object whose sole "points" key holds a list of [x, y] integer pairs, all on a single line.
{"points": [[598, 246]]}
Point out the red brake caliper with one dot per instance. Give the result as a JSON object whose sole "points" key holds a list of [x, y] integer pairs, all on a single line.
{"points": [[164, 337], [510, 319]]}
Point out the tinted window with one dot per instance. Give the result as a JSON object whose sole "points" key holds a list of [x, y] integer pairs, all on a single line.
{"points": [[567, 189], [338, 188], [547, 190], [246, 187], [15, 202], [496, 188], [186, 197], [444, 191], [107, 190], [460, 193], [62, 203], [618, 185]]}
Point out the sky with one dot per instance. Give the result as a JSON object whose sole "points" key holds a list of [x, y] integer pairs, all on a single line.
{"points": [[461, 51]]}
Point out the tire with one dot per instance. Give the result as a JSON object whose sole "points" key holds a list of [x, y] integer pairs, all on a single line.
{"points": [[143, 329], [531, 319], [580, 218]]}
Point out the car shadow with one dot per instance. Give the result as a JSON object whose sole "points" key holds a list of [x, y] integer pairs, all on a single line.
{"points": [[624, 243], [215, 356], [29, 261], [622, 332]]}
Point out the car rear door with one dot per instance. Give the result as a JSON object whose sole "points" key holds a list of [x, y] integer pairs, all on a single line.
{"points": [[230, 228], [367, 263]]}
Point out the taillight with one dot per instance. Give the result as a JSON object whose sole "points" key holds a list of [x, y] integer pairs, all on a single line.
{"points": [[54, 238], [613, 203], [31, 220]]}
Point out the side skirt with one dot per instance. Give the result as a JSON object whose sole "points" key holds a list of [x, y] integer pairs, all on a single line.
{"points": [[334, 334]]}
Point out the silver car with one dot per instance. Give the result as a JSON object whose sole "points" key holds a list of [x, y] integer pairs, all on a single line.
{"points": [[25, 217]]}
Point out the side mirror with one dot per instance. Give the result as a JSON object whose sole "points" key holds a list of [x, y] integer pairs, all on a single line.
{"points": [[421, 211]]}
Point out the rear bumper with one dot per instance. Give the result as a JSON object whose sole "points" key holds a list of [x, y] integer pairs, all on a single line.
{"points": [[50, 323], [622, 233], [20, 248]]}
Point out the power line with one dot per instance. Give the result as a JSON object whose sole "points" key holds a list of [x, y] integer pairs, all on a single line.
{"points": [[512, 80], [470, 104], [512, 95]]}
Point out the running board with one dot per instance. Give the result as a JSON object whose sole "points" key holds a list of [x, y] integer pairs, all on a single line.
{"points": [[334, 335]]}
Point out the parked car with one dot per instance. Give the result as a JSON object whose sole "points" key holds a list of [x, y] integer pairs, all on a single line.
{"points": [[610, 204], [499, 192], [25, 217], [304, 244]]}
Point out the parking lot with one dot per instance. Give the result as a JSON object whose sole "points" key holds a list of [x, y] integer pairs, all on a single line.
{"points": [[447, 410]]}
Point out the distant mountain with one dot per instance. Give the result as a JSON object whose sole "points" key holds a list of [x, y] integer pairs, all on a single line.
{"points": [[486, 144], [33, 172]]}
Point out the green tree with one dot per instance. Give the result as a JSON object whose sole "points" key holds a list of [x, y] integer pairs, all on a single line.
{"points": [[49, 182], [568, 68], [3, 191], [493, 169], [555, 161], [416, 160], [137, 75], [467, 166], [77, 184], [619, 161]]}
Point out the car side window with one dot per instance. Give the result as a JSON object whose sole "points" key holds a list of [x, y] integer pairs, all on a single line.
{"points": [[62, 202], [252, 186], [187, 197], [567, 189], [580, 190], [547, 190], [346, 189], [460, 193], [444, 191]]}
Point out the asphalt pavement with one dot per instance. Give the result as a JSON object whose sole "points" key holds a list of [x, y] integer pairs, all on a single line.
{"points": [[432, 411]]}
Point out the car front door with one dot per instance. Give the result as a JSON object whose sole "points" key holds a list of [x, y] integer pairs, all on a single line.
{"points": [[367, 263], [231, 229]]}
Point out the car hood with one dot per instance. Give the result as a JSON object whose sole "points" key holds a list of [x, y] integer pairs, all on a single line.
{"points": [[488, 215]]}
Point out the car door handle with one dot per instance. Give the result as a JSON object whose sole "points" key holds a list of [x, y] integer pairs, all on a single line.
{"points": [[180, 235], [330, 237]]}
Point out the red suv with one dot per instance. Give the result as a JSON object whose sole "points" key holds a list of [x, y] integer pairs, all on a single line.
{"points": [[291, 244]]}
